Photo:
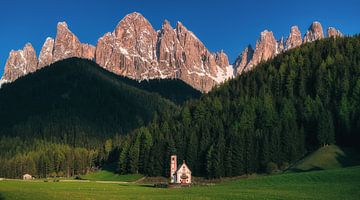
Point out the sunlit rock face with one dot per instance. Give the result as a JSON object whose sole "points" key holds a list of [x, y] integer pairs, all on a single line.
{"points": [[19, 63]]}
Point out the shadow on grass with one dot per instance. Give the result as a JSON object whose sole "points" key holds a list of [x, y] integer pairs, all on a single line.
{"points": [[110, 167], [350, 158], [124, 185], [2, 197], [147, 186], [315, 168]]}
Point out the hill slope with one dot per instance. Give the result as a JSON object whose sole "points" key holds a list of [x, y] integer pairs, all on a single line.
{"points": [[328, 157], [74, 100], [175, 90]]}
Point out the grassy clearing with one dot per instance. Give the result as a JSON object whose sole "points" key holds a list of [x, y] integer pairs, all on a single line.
{"points": [[108, 173], [104, 175], [326, 184]]}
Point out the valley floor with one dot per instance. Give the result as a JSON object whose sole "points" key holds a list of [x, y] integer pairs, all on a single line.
{"points": [[341, 183]]}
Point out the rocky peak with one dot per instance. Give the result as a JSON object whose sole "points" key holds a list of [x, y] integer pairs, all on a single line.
{"points": [[266, 47], [243, 60], [135, 33], [333, 32], [66, 43], [294, 39], [133, 42], [166, 26], [20, 63], [46, 53], [315, 32]]}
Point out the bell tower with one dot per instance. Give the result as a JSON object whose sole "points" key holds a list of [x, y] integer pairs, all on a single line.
{"points": [[173, 168]]}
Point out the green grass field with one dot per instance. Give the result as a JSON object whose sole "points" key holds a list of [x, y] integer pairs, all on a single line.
{"points": [[104, 175], [341, 183]]}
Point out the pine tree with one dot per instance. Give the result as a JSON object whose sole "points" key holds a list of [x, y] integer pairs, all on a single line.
{"points": [[123, 159], [134, 156]]}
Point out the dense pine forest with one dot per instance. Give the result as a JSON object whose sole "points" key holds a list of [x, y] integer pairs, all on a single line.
{"points": [[56, 120], [261, 121]]}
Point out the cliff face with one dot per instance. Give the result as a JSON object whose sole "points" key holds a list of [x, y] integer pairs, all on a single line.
{"points": [[20, 63]]}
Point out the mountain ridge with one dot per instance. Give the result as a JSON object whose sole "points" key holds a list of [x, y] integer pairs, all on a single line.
{"points": [[136, 50]]}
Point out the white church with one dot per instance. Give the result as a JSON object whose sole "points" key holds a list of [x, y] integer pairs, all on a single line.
{"points": [[179, 174]]}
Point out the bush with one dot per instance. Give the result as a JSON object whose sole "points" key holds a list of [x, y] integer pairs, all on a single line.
{"points": [[53, 174]]}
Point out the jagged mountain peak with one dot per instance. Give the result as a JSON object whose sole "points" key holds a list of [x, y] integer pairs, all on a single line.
{"points": [[46, 53], [66, 45], [19, 63], [166, 25], [294, 39], [62, 24], [333, 32], [267, 46], [315, 32]]}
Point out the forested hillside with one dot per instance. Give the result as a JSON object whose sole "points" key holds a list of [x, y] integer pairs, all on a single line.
{"points": [[263, 120], [58, 118]]}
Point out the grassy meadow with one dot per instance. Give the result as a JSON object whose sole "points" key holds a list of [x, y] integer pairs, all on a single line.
{"points": [[343, 183], [104, 175]]}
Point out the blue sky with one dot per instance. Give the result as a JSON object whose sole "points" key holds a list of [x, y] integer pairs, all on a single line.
{"points": [[222, 24]]}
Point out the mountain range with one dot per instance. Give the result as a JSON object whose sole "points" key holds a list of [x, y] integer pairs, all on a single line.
{"points": [[136, 50]]}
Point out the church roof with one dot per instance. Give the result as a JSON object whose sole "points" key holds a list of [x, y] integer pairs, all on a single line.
{"points": [[180, 166]]}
